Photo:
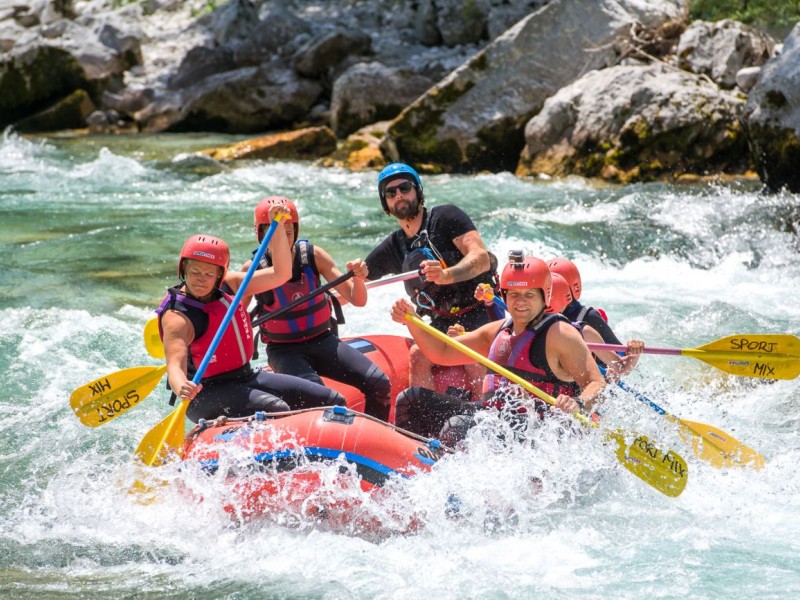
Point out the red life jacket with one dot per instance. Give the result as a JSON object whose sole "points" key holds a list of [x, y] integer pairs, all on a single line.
{"points": [[524, 355], [235, 349], [306, 321]]}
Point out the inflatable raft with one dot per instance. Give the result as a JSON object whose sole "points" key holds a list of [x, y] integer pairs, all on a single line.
{"points": [[279, 463]]}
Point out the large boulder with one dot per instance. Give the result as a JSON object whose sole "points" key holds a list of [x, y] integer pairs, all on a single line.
{"points": [[634, 123], [321, 53], [247, 100], [53, 58], [35, 78], [474, 118], [772, 118], [370, 92], [70, 112]]}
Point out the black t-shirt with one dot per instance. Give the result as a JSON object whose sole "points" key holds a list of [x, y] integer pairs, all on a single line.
{"points": [[443, 224]]}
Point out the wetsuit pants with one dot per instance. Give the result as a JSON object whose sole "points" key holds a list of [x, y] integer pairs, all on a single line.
{"points": [[326, 355], [432, 414], [259, 391]]}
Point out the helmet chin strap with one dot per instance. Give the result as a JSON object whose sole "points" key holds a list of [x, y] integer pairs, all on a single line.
{"points": [[538, 317]]}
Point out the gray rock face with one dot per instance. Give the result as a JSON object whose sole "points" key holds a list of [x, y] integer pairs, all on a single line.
{"points": [[772, 117], [458, 101], [630, 123], [263, 98], [473, 119], [370, 92]]}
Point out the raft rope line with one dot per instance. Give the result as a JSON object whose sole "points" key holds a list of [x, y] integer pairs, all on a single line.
{"points": [[261, 416]]}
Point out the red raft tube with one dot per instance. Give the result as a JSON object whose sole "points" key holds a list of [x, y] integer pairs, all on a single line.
{"points": [[271, 461]]}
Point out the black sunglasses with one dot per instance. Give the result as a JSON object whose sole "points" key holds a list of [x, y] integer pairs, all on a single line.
{"points": [[405, 187]]}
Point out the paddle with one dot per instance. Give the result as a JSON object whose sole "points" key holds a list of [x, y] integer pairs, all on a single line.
{"points": [[99, 401], [665, 471], [168, 436], [392, 279], [708, 442], [764, 356]]}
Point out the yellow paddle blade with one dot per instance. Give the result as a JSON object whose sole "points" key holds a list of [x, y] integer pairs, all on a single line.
{"points": [[764, 356], [717, 447], [767, 343], [665, 471], [152, 340], [166, 439], [104, 399]]}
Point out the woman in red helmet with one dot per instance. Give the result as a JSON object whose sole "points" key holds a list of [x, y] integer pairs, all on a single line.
{"points": [[614, 365], [303, 342], [575, 311], [543, 348], [189, 317]]}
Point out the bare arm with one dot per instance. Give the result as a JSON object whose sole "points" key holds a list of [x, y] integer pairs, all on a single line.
{"points": [[438, 351], [271, 277], [354, 289], [475, 261], [178, 333], [592, 336], [571, 359]]}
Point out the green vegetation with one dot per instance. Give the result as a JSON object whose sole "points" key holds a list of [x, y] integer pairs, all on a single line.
{"points": [[775, 16]]}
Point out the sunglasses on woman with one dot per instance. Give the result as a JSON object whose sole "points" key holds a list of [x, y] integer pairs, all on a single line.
{"points": [[405, 187]]}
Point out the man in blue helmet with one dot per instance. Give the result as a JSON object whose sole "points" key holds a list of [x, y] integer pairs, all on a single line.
{"points": [[443, 243]]}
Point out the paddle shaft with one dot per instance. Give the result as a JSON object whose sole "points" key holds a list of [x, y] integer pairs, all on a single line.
{"points": [[645, 350], [313, 294], [694, 352], [387, 280]]}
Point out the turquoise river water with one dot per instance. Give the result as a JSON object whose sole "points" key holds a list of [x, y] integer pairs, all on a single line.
{"points": [[90, 229]]}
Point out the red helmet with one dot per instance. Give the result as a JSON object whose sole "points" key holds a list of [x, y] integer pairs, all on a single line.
{"points": [[261, 216], [567, 269], [562, 295], [530, 273], [207, 249]]}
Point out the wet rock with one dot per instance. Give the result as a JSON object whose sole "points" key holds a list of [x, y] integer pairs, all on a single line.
{"points": [[361, 150], [302, 144], [70, 112], [772, 118]]}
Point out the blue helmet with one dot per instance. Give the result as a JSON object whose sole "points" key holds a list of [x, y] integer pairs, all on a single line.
{"points": [[398, 171]]}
